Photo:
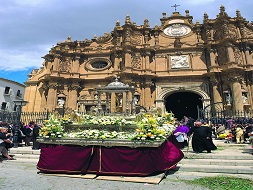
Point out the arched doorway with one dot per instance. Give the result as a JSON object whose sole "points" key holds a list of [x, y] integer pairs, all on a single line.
{"points": [[184, 104]]}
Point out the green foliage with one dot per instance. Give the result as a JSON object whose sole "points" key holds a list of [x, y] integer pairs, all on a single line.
{"points": [[52, 128], [154, 126], [224, 183]]}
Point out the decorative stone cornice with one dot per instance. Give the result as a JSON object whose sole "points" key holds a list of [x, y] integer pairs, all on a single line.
{"points": [[72, 87], [236, 79], [53, 86]]}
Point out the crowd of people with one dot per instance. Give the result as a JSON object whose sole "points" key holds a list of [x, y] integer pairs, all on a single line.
{"points": [[202, 132], [15, 135]]}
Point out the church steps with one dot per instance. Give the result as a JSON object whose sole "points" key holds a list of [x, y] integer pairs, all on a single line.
{"points": [[235, 160], [222, 169], [220, 156], [219, 162]]}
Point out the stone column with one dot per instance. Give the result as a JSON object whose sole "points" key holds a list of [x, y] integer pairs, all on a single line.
{"points": [[231, 56], [216, 94], [99, 103], [133, 107], [56, 62], [147, 95], [248, 57], [75, 67], [236, 93], [128, 58], [127, 102], [40, 101], [107, 103], [160, 104], [212, 57], [147, 64], [51, 96], [117, 62], [113, 103], [72, 96], [50, 62], [124, 102]]}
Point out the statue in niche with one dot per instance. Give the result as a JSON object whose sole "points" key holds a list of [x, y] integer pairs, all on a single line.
{"points": [[94, 110], [228, 99], [244, 98], [118, 103], [60, 102], [75, 116]]}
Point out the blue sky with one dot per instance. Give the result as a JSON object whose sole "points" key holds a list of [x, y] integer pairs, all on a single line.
{"points": [[29, 28]]}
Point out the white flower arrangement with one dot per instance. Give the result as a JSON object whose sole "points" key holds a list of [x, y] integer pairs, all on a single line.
{"points": [[148, 127]]}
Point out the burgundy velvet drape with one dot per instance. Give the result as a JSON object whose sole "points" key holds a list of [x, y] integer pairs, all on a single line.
{"points": [[108, 160]]}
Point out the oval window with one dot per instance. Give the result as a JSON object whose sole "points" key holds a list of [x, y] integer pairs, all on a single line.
{"points": [[99, 64]]}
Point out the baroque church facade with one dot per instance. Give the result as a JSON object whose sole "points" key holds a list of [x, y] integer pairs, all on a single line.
{"points": [[177, 66]]}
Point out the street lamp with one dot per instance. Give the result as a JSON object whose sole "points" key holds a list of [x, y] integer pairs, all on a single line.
{"points": [[19, 104]]}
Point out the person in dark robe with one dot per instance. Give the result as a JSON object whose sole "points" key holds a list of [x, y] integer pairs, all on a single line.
{"points": [[28, 133], [35, 135], [201, 138]]}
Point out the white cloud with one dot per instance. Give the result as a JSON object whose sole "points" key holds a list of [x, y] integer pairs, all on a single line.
{"points": [[21, 60], [29, 28], [30, 2]]}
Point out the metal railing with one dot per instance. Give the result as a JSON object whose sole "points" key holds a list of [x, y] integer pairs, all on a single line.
{"points": [[8, 117], [224, 115], [214, 117]]}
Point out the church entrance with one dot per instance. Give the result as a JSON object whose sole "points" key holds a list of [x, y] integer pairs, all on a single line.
{"points": [[184, 104]]}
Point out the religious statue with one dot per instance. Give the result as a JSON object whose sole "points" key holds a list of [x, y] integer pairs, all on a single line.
{"points": [[94, 110], [244, 99], [228, 99], [61, 102], [119, 103], [75, 116]]}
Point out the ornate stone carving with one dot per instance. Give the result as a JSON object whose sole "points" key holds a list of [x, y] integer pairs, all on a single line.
{"points": [[222, 55], [44, 87], [136, 62], [248, 32], [116, 39], [65, 65], [83, 97], [53, 86], [236, 79], [177, 30], [105, 38], [213, 81], [177, 43], [73, 87], [238, 55], [136, 38], [208, 33], [127, 36], [180, 61]]}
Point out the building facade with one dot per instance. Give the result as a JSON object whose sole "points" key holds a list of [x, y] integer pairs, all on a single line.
{"points": [[177, 66], [10, 91]]}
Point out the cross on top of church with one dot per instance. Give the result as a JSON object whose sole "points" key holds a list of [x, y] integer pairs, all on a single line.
{"points": [[175, 6]]}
